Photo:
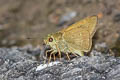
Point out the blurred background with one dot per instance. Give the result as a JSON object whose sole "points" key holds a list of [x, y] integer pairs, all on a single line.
{"points": [[34, 19]]}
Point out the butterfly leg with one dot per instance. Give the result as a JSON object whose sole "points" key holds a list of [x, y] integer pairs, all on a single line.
{"points": [[58, 51], [50, 56], [54, 57], [74, 54], [48, 51], [67, 56], [46, 54]]}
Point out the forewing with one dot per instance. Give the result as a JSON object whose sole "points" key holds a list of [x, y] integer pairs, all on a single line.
{"points": [[78, 38], [88, 23], [79, 35]]}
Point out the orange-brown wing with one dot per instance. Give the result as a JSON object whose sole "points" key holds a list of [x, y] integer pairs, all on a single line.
{"points": [[88, 23], [79, 35], [78, 39]]}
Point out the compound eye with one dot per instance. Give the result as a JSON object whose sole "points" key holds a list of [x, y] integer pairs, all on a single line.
{"points": [[50, 39]]}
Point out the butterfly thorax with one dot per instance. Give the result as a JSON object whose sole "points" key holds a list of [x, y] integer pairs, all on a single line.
{"points": [[56, 40]]}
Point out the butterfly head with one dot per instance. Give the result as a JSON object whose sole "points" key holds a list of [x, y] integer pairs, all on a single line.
{"points": [[50, 40]]}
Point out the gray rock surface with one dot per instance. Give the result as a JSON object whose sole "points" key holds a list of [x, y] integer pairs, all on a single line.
{"points": [[17, 64]]}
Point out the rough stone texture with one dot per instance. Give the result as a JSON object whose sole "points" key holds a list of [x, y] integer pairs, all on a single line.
{"points": [[17, 64]]}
